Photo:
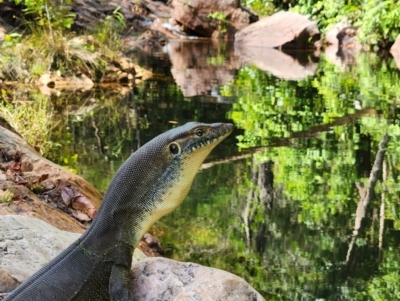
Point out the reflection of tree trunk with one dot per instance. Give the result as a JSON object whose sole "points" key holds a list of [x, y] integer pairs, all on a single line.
{"points": [[135, 120], [366, 194], [382, 209], [248, 213], [261, 198], [96, 133], [265, 183]]}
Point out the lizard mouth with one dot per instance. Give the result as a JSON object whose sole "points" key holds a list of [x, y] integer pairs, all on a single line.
{"points": [[219, 133]]}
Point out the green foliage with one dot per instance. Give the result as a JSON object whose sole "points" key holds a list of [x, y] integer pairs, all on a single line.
{"points": [[50, 14], [6, 196], [261, 7], [378, 21], [118, 17]]}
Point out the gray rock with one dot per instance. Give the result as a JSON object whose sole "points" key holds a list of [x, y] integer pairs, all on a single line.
{"points": [[27, 244], [165, 279]]}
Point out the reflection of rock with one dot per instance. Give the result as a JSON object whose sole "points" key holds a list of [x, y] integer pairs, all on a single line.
{"points": [[194, 15], [52, 83], [166, 279], [395, 51], [199, 68], [343, 44], [277, 62], [283, 29]]}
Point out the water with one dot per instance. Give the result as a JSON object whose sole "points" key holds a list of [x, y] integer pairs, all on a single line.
{"points": [[282, 202]]}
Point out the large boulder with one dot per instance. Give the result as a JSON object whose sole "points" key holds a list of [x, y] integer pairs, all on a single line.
{"points": [[228, 17], [286, 30], [27, 244]]}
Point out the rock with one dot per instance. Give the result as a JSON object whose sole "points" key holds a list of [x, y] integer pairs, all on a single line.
{"points": [[151, 246], [395, 51], [27, 244], [165, 279], [195, 16], [41, 188], [332, 33], [348, 39], [89, 12], [284, 29]]}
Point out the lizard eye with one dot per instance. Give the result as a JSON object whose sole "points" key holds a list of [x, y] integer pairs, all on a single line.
{"points": [[174, 148], [199, 132]]}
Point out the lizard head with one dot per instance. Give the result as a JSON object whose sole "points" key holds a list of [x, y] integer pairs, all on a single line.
{"points": [[181, 151], [157, 177]]}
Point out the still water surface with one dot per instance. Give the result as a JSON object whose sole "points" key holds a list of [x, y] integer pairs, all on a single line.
{"points": [[282, 202]]}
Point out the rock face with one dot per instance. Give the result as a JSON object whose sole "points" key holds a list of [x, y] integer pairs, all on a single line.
{"points": [[283, 29], [194, 15], [166, 279]]}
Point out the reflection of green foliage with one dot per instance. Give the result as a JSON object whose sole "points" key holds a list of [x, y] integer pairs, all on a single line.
{"points": [[216, 61]]}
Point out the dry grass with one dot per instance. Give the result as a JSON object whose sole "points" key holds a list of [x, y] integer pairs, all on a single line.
{"points": [[32, 120]]}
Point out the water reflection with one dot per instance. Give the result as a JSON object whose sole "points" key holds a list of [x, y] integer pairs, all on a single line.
{"points": [[281, 209]]}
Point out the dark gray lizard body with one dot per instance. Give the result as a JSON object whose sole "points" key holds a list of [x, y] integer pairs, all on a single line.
{"points": [[150, 184]]}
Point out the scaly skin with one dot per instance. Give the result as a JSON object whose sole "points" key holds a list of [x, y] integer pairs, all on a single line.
{"points": [[151, 183]]}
